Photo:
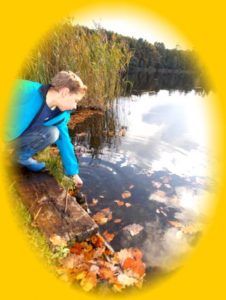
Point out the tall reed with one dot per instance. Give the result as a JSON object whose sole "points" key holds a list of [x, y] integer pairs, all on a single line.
{"points": [[99, 61]]}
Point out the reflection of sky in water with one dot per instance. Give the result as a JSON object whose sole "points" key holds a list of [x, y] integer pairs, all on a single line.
{"points": [[163, 155], [166, 130]]}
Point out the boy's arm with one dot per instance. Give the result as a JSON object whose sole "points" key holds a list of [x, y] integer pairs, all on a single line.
{"points": [[66, 148]]}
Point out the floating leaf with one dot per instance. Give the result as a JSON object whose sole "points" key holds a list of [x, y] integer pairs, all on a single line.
{"points": [[116, 221], [94, 202], [176, 224], [134, 229], [108, 236], [103, 216], [119, 202], [100, 218], [126, 194]]}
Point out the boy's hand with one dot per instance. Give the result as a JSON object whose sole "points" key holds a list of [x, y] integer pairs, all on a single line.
{"points": [[77, 181]]}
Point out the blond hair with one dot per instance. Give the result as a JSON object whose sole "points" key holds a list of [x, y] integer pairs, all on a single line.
{"points": [[70, 80]]}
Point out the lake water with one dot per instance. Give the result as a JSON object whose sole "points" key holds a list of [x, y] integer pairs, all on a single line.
{"points": [[150, 153]]}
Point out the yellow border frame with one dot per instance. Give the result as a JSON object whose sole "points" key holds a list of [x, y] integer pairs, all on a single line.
{"points": [[202, 23]]}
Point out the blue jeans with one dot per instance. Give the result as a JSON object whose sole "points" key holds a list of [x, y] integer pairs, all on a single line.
{"points": [[31, 142]]}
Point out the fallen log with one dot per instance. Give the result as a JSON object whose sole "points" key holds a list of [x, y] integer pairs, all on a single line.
{"points": [[57, 215]]}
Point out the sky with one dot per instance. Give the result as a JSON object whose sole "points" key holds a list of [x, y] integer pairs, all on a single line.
{"points": [[153, 31]]}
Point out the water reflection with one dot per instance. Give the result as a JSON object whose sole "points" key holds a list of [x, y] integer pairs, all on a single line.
{"points": [[171, 81], [155, 147]]}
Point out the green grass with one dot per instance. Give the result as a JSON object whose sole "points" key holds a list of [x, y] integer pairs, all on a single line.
{"points": [[54, 165], [35, 238]]}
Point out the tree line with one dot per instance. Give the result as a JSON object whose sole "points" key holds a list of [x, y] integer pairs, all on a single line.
{"points": [[103, 59]]}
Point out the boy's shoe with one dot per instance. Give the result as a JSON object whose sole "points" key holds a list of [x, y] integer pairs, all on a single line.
{"points": [[32, 164]]}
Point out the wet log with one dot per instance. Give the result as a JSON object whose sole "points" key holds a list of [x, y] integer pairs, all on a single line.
{"points": [[58, 215]]}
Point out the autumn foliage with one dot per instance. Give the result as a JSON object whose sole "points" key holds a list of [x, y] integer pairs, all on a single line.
{"points": [[91, 262]]}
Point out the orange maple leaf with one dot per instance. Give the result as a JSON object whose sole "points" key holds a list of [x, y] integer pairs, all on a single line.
{"points": [[119, 202], [108, 236], [126, 194]]}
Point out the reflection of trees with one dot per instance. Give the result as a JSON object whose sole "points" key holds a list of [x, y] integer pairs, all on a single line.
{"points": [[99, 131], [152, 81]]}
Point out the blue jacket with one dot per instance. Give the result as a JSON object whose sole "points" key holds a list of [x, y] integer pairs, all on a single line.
{"points": [[26, 103]]}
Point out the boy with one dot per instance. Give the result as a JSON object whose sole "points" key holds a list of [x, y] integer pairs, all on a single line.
{"points": [[39, 118]]}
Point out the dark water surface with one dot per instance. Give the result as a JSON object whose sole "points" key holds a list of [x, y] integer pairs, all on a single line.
{"points": [[153, 146]]}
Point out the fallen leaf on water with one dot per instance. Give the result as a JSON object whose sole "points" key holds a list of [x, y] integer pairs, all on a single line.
{"points": [[126, 194], [108, 236], [119, 202], [127, 204], [103, 216], [176, 224], [94, 202], [116, 221], [100, 218], [133, 229]]}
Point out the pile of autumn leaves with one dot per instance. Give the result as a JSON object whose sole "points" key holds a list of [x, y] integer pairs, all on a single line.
{"points": [[91, 262]]}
